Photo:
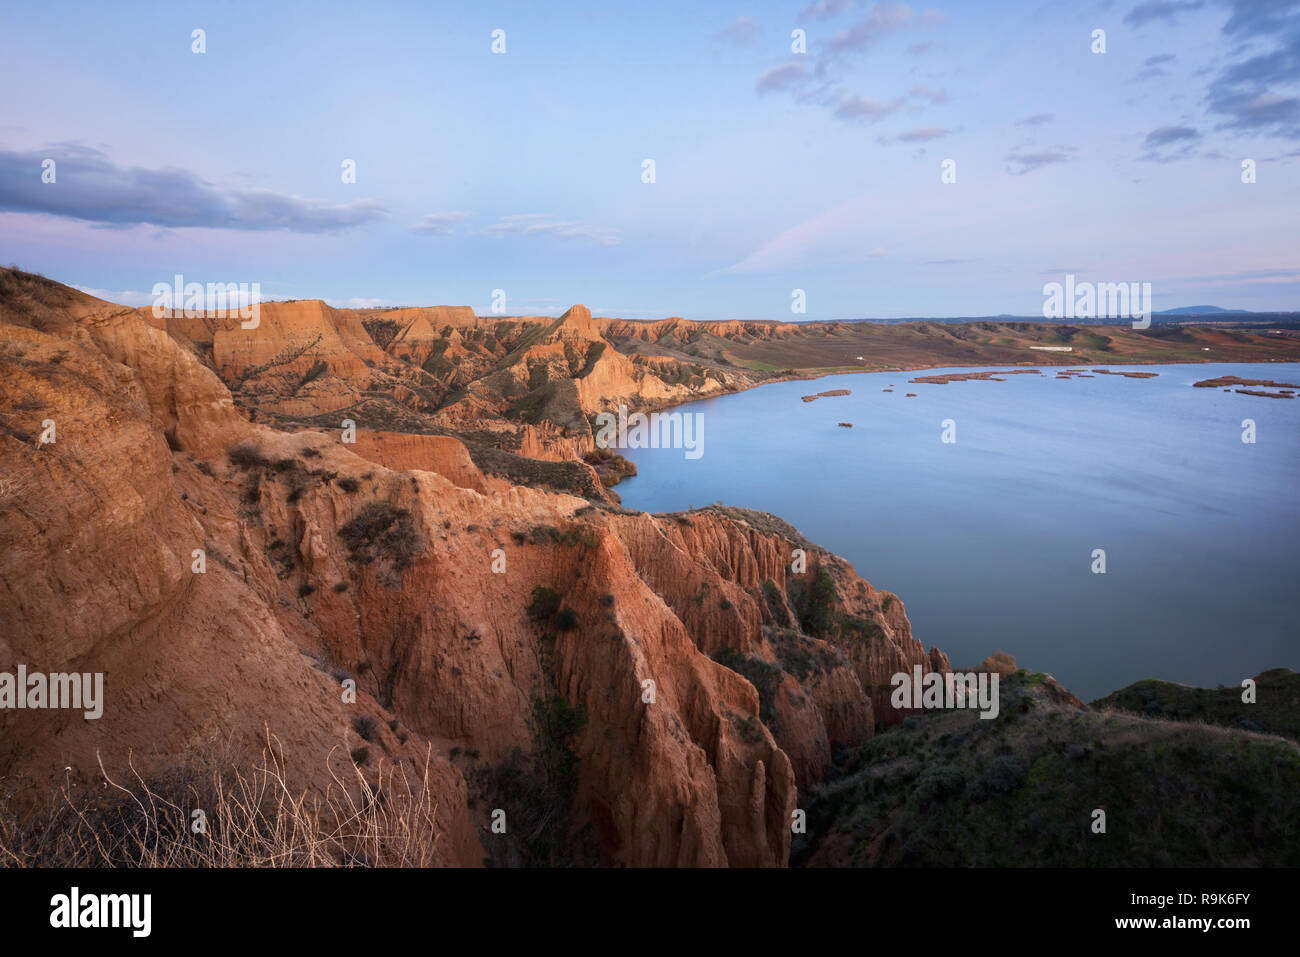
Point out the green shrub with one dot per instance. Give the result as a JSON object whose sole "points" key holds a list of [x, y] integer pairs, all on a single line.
{"points": [[1005, 772], [246, 456], [861, 629], [765, 677], [796, 660], [747, 728], [940, 783], [299, 485], [772, 598], [543, 535], [557, 722], [366, 726], [545, 603], [382, 530], [317, 369], [818, 615]]}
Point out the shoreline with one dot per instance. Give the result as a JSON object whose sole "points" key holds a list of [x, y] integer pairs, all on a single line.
{"points": [[659, 407]]}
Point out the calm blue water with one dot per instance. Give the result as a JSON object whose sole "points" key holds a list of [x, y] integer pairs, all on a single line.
{"points": [[989, 541]]}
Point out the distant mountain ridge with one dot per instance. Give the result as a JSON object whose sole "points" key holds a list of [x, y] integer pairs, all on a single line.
{"points": [[1203, 311]]}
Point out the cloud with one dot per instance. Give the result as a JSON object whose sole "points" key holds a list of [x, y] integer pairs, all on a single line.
{"points": [[1169, 143], [881, 20], [947, 262], [133, 297], [1249, 94], [125, 297], [1152, 67], [916, 49], [1169, 134], [920, 92], [89, 187], [1166, 10], [440, 224], [780, 77], [742, 31], [1259, 275], [870, 109], [825, 9], [1263, 111], [1261, 18], [1022, 163], [923, 134], [1038, 119], [865, 108], [537, 224]]}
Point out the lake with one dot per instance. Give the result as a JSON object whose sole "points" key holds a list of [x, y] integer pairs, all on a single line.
{"points": [[989, 540]]}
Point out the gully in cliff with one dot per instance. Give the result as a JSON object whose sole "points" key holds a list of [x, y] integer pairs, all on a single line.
{"points": [[936, 690], [658, 430]]}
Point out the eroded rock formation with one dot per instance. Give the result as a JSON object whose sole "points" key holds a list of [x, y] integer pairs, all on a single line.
{"points": [[223, 574]]}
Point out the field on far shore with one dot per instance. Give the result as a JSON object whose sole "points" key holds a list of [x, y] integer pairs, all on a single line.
{"points": [[837, 346]]}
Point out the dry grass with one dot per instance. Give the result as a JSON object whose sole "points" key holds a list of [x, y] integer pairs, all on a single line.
{"points": [[29, 299], [12, 487], [253, 819]]}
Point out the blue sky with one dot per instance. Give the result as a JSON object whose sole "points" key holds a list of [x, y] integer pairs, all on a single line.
{"points": [[774, 170]]}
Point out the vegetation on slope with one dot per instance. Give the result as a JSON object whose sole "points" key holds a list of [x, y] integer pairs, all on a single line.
{"points": [[1276, 709], [948, 788]]}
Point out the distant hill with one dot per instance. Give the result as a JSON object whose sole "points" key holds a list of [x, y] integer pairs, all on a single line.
{"points": [[1181, 312], [1203, 311]]}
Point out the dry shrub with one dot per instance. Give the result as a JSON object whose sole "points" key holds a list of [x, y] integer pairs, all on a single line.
{"points": [[999, 662], [253, 819]]}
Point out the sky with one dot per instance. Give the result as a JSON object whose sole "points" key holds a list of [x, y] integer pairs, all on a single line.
{"points": [[775, 169]]}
